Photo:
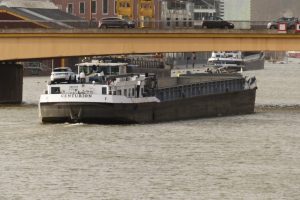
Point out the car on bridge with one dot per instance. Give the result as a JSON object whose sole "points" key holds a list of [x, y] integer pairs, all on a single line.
{"points": [[216, 22], [115, 22], [62, 74], [289, 21]]}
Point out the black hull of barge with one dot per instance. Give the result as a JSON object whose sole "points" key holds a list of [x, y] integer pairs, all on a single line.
{"points": [[231, 103]]}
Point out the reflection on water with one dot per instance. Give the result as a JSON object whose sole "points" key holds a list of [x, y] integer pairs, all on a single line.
{"points": [[240, 157]]}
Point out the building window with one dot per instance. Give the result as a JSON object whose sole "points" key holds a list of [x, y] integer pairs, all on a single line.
{"points": [[70, 8], [105, 7], [94, 7], [168, 21], [184, 21], [115, 7], [81, 7]]}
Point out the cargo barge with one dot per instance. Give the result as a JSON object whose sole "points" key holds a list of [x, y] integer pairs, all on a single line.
{"points": [[108, 94]]}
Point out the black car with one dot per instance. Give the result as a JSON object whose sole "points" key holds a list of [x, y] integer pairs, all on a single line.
{"points": [[290, 21], [216, 22], [115, 22]]}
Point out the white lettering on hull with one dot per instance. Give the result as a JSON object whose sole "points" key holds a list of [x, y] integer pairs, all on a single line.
{"points": [[76, 95]]}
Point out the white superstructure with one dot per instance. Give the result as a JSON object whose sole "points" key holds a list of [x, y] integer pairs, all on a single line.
{"points": [[104, 83], [226, 58]]}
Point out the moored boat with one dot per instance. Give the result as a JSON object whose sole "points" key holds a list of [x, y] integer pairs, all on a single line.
{"points": [[108, 94], [293, 54], [236, 60]]}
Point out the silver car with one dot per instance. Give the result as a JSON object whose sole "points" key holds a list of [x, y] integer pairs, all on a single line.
{"points": [[62, 74]]}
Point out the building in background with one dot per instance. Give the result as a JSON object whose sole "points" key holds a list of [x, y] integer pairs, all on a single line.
{"points": [[267, 10], [175, 14], [36, 14], [22, 14], [259, 12], [88, 9], [236, 11], [204, 9], [94, 10]]}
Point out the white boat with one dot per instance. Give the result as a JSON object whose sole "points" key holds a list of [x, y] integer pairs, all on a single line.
{"points": [[237, 60], [293, 54]]}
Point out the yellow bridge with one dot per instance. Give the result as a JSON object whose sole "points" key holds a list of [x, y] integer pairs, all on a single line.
{"points": [[64, 43]]}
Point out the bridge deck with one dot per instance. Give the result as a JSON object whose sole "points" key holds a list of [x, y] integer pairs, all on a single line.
{"points": [[21, 44]]}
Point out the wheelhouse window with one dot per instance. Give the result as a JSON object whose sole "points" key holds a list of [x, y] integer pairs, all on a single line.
{"points": [[105, 7], [55, 90], [104, 90], [94, 7], [81, 7], [114, 70]]}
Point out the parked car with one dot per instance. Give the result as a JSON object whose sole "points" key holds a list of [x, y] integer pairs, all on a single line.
{"points": [[216, 22], [115, 22], [62, 74], [290, 21]]}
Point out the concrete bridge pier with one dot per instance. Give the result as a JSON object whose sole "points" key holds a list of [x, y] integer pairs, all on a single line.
{"points": [[11, 83]]}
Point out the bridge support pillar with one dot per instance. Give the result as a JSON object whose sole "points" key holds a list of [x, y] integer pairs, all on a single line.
{"points": [[11, 83]]}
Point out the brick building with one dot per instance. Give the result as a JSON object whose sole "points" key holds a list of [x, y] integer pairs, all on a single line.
{"points": [[36, 14], [97, 9], [267, 10], [258, 10]]}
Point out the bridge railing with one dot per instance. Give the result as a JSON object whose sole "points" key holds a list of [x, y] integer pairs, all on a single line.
{"points": [[151, 24]]}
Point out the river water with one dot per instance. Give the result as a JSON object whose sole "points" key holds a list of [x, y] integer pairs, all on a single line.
{"points": [[240, 157]]}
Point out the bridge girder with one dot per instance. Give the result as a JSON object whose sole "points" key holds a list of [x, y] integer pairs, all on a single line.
{"points": [[51, 44]]}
